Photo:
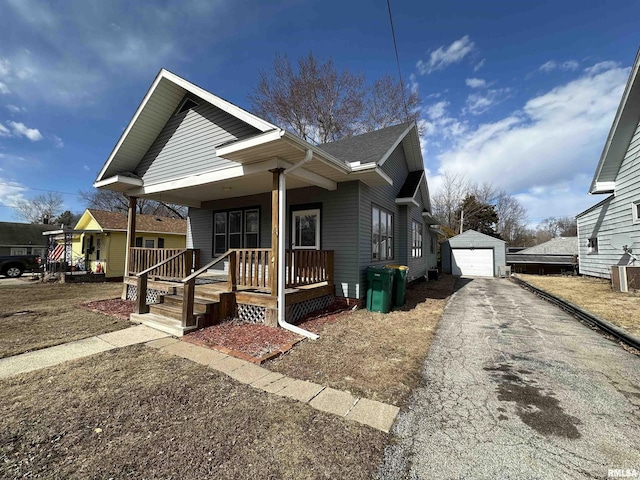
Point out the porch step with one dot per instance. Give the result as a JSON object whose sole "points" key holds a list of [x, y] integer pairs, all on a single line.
{"points": [[200, 305], [164, 324], [175, 312]]}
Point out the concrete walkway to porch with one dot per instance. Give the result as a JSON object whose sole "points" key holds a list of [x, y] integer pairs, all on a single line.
{"points": [[368, 412]]}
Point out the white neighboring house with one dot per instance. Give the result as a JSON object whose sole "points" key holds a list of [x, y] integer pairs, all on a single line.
{"points": [[617, 176]]}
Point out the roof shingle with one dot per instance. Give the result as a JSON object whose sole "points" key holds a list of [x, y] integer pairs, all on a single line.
{"points": [[144, 223]]}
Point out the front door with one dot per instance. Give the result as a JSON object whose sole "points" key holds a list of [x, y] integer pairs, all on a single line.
{"points": [[306, 229]]}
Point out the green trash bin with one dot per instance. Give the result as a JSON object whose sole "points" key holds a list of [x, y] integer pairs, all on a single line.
{"points": [[400, 290], [380, 289]]}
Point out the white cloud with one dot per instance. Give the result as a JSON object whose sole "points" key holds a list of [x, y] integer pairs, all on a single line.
{"points": [[476, 82], [445, 56], [4, 90], [21, 130], [479, 65], [4, 131], [554, 140], [551, 65], [14, 109], [601, 67], [478, 103], [86, 167], [57, 141], [436, 110], [10, 192]]}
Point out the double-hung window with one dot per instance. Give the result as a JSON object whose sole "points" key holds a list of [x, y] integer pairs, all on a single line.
{"points": [[381, 234], [416, 239], [235, 229]]}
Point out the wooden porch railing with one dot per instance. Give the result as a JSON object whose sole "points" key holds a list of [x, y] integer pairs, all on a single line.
{"points": [[306, 267], [145, 258], [253, 266]]}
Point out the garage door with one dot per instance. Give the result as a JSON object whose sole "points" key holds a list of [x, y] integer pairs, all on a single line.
{"points": [[472, 262]]}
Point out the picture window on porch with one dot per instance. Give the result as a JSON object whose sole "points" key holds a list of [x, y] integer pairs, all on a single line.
{"points": [[235, 229], [382, 234], [416, 236]]}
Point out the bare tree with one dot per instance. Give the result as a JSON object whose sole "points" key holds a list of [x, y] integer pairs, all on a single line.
{"points": [[448, 199], [37, 209], [321, 104], [118, 202]]}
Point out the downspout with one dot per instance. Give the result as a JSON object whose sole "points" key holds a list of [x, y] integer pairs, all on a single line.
{"points": [[282, 202]]}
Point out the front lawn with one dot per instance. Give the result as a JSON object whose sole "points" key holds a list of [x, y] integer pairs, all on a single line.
{"points": [[595, 296], [35, 316], [138, 413], [373, 355]]}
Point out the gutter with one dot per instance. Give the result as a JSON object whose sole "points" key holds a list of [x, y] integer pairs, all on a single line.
{"points": [[282, 201]]}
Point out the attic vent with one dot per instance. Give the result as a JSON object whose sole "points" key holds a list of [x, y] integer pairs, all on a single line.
{"points": [[186, 105]]}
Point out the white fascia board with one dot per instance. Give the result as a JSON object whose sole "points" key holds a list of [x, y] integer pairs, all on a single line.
{"points": [[255, 141], [209, 177], [122, 179], [369, 167], [407, 201], [317, 153], [228, 107], [395, 144], [132, 122], [310, 177], [603, 187]]}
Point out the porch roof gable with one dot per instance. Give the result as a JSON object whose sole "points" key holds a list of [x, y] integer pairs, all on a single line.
{"points": [[160, 102]]}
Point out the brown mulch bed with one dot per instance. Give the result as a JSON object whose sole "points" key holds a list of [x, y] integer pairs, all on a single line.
{"points": [[114, 307], [259, 341]]}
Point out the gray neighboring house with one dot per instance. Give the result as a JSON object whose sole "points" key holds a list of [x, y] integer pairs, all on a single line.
{"points": [[558, 255], [473, 254], [23, 239], [364, 198], [617, 175]]}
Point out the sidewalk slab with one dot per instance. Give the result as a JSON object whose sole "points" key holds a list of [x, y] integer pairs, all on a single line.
{"points": [[375, 414], [249, 373], [201, 355], [269, 379], [301, 390], [132, 336], [278, 385], [227, 364], [333, 401], [47, 357], [161, 342]]}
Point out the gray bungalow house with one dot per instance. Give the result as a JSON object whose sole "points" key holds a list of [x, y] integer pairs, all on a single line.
{"points": [[614, 221], [285, 224]]}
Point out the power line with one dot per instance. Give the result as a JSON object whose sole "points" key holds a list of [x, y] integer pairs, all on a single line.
{"points": [[24, 187], [395, 47]]}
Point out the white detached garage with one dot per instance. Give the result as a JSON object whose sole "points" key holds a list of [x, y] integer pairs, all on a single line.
{"points": [[473, 254]]}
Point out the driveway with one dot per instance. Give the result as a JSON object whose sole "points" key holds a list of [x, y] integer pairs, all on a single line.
{"points": [[514, 388]]}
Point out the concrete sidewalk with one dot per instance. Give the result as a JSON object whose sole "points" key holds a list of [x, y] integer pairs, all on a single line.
{"points": [[368, 412]]}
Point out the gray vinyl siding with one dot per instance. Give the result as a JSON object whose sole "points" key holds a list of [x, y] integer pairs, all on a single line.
{"points": [[612, 217], [338, 227], [187, 144], [474, 239], [382, 196]]}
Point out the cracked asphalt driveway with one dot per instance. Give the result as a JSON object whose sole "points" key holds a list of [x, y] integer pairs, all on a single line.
{"points": [[514, 388]]}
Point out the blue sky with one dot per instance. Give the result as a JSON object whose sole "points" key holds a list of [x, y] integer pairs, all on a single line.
{"points": [[518, 95]]}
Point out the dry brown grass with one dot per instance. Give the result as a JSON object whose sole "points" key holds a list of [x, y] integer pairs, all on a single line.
{"points": [[595, 296], [35, 316], [374, 355], [136, 413]]}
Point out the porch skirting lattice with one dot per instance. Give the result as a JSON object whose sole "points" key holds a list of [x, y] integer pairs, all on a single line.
{"points": [[152, 294], [251, 313], [299, 310]]}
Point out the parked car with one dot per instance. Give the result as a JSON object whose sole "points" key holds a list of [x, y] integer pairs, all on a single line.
{"points": [[13, 266]]}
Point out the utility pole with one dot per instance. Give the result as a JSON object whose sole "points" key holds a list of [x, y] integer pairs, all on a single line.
{"points": [[461, 219]]}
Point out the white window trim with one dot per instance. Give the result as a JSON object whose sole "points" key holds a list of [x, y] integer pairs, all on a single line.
{"points": [[294, 214], [635, 211]]}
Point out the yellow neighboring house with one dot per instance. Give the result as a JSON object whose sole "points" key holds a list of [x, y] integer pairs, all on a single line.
{"points": [[100, 238]]}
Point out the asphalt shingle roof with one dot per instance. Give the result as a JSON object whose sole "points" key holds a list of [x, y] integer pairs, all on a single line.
{"points": [[365, 148], [144, 223], [555, 246], [23, 233]]}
